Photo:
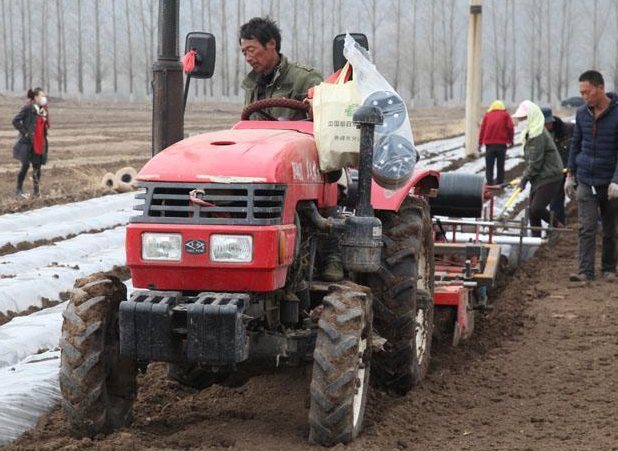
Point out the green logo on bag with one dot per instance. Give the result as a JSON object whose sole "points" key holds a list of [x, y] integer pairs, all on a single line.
{"points": [[349, 111]]}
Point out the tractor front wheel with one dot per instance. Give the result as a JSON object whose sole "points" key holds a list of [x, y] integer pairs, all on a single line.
{"points": [[342, 355], [98, 386]]}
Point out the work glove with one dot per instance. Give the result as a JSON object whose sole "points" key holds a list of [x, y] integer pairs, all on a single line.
{"points": [[612, 191], [570, 185], [523, 182]]}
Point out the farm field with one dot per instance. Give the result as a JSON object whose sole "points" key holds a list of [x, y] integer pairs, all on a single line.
{"points": [[538, 374], [88, 139]]}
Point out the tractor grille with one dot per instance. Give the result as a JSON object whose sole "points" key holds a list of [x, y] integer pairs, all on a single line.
{"points": [[229, 204]]}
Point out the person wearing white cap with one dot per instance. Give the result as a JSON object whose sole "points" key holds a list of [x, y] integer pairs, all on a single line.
{"points": [[543, 164]]}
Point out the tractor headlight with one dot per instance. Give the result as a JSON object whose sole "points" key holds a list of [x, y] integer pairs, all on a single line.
{"points": [[231, 248], [162, 246]]}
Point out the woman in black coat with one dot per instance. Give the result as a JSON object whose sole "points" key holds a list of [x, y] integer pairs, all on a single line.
{"points": [[31, 147]]}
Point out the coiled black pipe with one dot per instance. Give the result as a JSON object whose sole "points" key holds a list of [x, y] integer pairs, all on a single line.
{"points": [[459, 195]]}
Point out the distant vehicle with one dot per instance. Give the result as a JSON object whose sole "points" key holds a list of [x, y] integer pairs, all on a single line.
{"points": [[573, 102]]}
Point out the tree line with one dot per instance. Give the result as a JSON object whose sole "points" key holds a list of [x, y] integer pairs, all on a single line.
{"points": [[105, 49]]}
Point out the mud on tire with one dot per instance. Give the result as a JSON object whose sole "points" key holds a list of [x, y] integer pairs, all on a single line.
{"points": [[98, 386], [342, 354], [403, 297]]}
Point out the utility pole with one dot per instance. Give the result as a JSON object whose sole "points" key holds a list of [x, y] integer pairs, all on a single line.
{"points": [[167, 117], [473, 78]]}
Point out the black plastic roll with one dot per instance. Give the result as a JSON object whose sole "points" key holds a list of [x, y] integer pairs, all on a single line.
{"points": [[393, 110], [459, 195], [394, 158]]}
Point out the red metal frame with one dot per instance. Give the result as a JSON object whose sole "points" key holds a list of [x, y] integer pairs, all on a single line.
{"points": [[197, 272], [282, 152], [455, 293], [458, 297]]}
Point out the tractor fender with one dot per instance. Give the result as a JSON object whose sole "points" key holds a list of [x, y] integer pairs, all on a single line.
{"points": [[423, 182]]}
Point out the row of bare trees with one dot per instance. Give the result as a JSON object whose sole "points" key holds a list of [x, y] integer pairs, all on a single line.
{"points": [[540, 46], [532, 48]]}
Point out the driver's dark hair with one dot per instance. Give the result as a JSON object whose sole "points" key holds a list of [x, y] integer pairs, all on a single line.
{"points": [[262, 29], [593, 77]]}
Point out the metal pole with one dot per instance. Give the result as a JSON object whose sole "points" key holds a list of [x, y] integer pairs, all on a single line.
{"points": [[473, 78], [167, 118], [521, 241]]}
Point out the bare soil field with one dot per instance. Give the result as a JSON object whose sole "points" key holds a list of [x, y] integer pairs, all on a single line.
{"points": [[539, 374], [88, 139]]}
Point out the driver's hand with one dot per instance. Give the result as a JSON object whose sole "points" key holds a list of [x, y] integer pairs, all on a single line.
{"points": [[310, 102]]}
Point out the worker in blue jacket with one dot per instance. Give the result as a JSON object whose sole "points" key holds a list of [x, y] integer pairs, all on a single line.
{"points": [[593, 175]]}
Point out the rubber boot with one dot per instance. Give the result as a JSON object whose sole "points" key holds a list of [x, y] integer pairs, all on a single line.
{"points": [[333, 268]]}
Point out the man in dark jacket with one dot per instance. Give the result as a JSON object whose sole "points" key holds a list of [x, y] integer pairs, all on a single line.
{"points": [[593, 174], [561, 132], [273, 75]]}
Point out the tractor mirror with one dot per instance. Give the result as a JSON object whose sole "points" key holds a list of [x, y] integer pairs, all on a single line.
{"points": [[204, 45], [338, 59]]}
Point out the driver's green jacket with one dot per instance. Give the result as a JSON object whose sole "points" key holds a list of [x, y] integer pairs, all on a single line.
{"points": [[290, 80]]}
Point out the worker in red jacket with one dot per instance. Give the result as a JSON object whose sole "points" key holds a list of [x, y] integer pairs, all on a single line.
{"points": [[496, 133]]}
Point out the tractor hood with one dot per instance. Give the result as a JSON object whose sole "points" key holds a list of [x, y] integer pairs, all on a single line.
{"points": [[238, 156]]}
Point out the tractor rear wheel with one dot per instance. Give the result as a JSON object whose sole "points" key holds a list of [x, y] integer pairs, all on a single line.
{"points": [[98, 386], [403, 297], [342, 355], [192, 375]]}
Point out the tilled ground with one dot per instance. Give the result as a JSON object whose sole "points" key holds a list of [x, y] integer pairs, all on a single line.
{"points": [[88, 139], [538, 374]]}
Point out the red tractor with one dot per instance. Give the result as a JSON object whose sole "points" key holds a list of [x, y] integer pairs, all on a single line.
{"points": [[225, 256]]}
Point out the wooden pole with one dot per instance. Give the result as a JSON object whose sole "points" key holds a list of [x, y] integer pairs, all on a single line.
{"points": [[473, 79]]}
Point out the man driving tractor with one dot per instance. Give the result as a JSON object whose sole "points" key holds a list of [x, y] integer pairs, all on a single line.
{"points": [[274, 76]]}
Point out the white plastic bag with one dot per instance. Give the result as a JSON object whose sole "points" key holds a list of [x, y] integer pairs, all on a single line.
{"points": [[394, 154]]}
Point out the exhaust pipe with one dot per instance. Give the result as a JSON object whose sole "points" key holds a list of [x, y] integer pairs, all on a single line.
{"points": [[362, 240]]}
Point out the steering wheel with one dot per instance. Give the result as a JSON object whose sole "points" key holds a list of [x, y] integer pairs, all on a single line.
{"points": [[277, 102]]}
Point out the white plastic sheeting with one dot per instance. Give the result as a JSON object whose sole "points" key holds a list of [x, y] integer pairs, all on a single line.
{"points": [[61, 221], [26, 335], [28, 390], [29, 385], [441, 146], [36, 278]]}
